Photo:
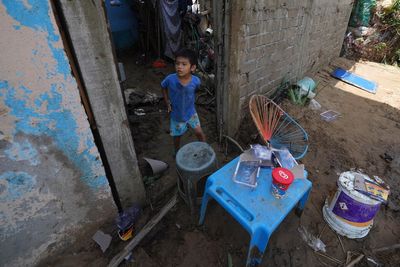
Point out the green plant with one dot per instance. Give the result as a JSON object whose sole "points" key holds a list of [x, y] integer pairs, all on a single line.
{"points": [[295, 97], [397, 55], [391, 15], [380, 46], [387, 50]]}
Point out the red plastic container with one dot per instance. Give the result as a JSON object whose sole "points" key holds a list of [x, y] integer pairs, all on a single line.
{"points": [[282, 178]]}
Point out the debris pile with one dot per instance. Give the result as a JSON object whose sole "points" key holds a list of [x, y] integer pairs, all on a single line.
{"points": [[376, 39]]}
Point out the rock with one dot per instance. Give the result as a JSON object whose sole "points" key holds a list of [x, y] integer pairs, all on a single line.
{"points": [[387, 157]]}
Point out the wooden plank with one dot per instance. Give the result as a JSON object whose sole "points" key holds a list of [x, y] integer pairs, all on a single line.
{"points": [[145, 230], [87, 27], [221, 47], [355, 261], [396, 246], [72, 60]]}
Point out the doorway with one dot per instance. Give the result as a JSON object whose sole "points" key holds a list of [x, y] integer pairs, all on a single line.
{"points": [[145, 36]]}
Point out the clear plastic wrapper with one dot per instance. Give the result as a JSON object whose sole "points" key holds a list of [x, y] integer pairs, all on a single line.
{"points": [[284, 158], [247, 170]]}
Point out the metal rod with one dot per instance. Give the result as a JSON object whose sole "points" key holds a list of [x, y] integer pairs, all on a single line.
{"points": [[235, 142], [322, 231], [341, 244], [387, 248], [355, 261], [329, 257]]}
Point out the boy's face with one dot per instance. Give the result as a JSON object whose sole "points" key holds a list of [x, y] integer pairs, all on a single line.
{"points": [[183, 67]]}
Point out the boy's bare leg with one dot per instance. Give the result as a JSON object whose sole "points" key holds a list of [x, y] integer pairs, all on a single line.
{"points": [[199, 134], [177, 143]]}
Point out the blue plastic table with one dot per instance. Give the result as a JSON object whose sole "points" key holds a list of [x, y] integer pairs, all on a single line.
{"points": [[257, 210]]}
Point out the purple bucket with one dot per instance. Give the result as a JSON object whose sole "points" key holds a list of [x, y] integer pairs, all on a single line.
{"points": [[350, 213]]}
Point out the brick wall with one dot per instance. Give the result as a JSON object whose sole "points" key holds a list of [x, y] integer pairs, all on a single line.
{"points": [[277, 39]]}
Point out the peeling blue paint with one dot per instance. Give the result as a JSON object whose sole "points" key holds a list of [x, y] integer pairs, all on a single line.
{"points": [[16, 185], [26, 90], [37, 18], [23, 151], [58, 123], [55, 121], [49, 164]]}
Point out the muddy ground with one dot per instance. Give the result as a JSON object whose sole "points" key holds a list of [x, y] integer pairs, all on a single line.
{"points": [[366, 136]]}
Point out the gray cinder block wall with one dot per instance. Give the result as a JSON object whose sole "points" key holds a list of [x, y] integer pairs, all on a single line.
{"points": [[273, 39]]}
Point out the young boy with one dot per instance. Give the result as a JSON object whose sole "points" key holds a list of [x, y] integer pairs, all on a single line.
{"points": [[179, 94]]}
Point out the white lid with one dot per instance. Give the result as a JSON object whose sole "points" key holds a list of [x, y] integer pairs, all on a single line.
{"points": [[346, 181]]}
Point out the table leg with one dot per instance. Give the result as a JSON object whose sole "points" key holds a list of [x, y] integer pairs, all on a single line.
{"points": [[302, 203], [203, 209], [191, 196], [258, 244]]}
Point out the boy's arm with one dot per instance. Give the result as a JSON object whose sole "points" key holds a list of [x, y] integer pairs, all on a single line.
{"points": [[166, 99]]}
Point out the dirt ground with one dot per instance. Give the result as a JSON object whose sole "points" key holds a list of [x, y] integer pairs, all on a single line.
{"points": [[366, 136], [151, 131]]}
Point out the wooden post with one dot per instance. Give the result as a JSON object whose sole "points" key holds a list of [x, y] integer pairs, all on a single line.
{"points": [[87, 27]]}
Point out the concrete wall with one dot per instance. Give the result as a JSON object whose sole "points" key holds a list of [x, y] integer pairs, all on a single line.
{"points": [[273, 39], [52, 182]]}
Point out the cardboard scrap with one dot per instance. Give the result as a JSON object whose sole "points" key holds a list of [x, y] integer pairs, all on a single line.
{"points": [[102, 239]]}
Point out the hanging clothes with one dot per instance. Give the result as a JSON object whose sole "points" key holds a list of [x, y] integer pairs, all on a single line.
{"points": [[169, 12], [183, 6]]}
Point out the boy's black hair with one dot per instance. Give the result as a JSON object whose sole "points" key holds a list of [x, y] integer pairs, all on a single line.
{"points": [[187, 53]]}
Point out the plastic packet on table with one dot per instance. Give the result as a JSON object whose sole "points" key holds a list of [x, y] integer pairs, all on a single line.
{"points": [[284, 158], [262, 153], [247, 170]]}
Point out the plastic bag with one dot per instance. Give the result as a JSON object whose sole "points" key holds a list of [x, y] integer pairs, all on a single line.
{"points": [[315, 243], [361, 14], [314, 105], [128, 217]]}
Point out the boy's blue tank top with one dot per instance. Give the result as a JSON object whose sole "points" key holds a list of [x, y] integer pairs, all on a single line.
{"points": [[182, 97]]}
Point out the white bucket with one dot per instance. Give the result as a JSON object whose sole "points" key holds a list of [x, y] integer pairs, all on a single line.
{"points": [[350, 213]]}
